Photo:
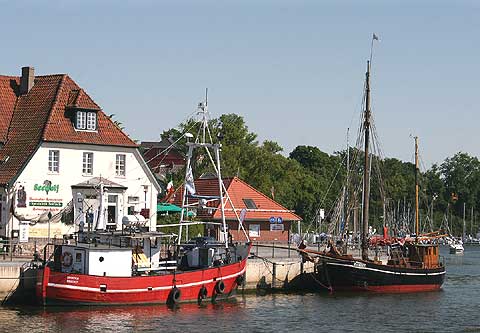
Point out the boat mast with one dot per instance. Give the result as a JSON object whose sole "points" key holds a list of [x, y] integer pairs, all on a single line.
{"points": [[417, 220], [366, 171], [346, 213]]}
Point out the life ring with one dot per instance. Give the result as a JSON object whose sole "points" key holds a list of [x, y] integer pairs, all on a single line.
{"points": [[174, 296], [66, 259], [220, 287], [202, 294]]}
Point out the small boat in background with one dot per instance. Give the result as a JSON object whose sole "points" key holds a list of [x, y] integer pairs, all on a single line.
{"points": [[456, 246]]}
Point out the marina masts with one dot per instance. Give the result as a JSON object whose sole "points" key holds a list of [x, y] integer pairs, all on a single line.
{"points": [[417, 220], [366, 171]]}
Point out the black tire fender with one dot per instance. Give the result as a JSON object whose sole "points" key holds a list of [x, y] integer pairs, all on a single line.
{"points": [[202, 294], [240, 280], [174, 296]]}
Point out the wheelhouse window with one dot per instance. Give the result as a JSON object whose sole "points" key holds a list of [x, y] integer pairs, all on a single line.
{"points": [[54, 161], [120, 165], [87, 168], [86, 120], [249, 203]]}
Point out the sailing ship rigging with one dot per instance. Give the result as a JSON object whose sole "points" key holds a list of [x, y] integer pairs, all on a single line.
{"points": [[412, 264]]}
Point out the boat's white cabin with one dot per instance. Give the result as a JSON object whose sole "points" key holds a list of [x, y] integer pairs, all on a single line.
{"points": [[100, 260]]}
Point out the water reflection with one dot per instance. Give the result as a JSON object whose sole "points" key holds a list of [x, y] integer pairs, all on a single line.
{"points": [[451, 310]]}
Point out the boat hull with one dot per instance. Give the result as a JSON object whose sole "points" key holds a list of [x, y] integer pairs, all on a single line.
{"points": [[56, 287], [353, 275]]}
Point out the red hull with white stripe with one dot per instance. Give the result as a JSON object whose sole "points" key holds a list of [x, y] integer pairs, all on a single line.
{"points": [[58, 287]]}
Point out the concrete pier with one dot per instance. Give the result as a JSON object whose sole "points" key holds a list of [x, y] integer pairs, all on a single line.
{"points": [[273, 273], [272, 266]]}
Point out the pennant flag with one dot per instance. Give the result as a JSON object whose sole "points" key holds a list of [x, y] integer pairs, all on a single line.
{"points": [[243, 213]]}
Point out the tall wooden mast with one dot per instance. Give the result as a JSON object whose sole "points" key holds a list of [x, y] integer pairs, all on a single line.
{"points": [[417, 217], [366, 171]]}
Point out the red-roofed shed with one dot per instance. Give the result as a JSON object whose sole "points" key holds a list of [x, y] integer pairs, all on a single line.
{"points": [[265, 219]]}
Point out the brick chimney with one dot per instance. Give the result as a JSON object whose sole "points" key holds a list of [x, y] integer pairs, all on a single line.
{"points": [[26, 81]]}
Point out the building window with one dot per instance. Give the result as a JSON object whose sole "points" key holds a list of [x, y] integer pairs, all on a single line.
{"points": [[87, 168], [81, 120], [120, 165], [249, 203], [91, 121], [133, 200], [254, 230], [86, 120], [53, 161]]}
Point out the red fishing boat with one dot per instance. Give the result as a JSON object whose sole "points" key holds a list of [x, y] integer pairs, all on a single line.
{"points": [[102, 274], [138, 266]]}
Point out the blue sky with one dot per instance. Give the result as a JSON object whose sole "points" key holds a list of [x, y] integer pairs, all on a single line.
{"points": [[293, 69]]}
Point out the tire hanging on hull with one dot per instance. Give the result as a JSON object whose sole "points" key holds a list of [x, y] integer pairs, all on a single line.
{"points": [[202, 294], [174, 296]]}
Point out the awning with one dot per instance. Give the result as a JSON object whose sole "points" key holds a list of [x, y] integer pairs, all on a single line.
{"points": [[164, 207], [168, 208]]}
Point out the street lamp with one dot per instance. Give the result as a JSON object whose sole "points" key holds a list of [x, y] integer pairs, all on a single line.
{"points": [[49, 215]]}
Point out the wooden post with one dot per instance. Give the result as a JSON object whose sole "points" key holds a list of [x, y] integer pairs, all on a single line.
{"points": [[274, 275]]}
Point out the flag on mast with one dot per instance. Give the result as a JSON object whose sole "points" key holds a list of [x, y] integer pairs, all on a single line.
{"points": [[189, 184], [375, 37]]}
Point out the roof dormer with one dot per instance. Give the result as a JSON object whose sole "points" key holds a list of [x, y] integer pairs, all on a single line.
{"points": [[85, 120]]}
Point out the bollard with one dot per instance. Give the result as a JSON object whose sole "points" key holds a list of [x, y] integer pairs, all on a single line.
{"points": [[274, 275], [289, 249], [273, 250]]}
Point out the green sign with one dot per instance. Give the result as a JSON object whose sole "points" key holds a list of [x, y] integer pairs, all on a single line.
{"points": [[45, 203], [46, 188]]}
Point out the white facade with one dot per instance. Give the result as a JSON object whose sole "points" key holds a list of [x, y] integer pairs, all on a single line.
{"points": [[41, 189]]}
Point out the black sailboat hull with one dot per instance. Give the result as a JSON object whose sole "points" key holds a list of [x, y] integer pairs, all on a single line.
{"points": [[354, 275]]}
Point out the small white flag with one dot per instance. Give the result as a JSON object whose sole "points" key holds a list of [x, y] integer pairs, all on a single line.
{"points": [[375, 37], [189, 184]]}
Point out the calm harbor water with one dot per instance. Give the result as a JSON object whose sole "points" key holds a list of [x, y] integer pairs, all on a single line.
{"points": [[454, 309]]}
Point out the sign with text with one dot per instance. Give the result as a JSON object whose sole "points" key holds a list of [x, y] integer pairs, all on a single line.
{"points": [[276, 227]]}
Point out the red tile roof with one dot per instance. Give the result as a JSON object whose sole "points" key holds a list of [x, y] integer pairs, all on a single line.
{"points": [[8, 98], [60, 129], [237, 190], [42, 115]]}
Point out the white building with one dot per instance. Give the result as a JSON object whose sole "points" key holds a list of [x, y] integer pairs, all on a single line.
{"points": [[64, 163]]}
